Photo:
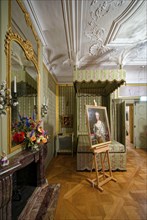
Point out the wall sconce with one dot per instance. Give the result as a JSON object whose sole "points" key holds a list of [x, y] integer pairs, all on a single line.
{"points": [[6, 98], [44, 110]]}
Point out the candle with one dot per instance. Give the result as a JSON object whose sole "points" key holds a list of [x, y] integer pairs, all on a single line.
{"points": [[34, 101], [44, 100], [15, 84], [47, 102]]}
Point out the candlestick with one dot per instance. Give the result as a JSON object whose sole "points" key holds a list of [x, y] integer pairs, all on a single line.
{"points": [[6, 99], [47, 102], [15, 90]]}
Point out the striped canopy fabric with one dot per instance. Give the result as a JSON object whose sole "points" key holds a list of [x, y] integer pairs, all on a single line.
{"points": [[100, 82]]}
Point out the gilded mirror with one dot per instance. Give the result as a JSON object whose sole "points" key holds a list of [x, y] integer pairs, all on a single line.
{"points": [[23, 74]]}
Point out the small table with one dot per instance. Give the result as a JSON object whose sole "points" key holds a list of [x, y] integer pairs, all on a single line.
{"points": [[64, 143]]}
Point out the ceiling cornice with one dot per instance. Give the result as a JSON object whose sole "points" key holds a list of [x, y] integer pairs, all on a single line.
{"points": [[125, 16], [30, 9]]}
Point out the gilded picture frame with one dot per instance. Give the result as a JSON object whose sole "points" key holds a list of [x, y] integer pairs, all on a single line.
{"points": [[67, 121], [98, 125]]}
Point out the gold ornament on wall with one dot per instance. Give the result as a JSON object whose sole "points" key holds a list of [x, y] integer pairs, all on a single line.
{"points": [[25, 44]]}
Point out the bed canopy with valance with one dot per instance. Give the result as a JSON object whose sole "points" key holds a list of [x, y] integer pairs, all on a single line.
{"points": [[99, 85], [100, 82]]}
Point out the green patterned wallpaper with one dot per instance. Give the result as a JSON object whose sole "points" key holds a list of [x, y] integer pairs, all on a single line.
{"points": [[67, 105], [82, 101], [49, 92], [52, 105]]}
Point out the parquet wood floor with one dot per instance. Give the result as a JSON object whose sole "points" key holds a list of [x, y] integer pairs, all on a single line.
{"points": [[125, 199]]}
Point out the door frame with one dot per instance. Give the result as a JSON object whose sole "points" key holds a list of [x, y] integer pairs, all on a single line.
{"points": [[131, 121]]}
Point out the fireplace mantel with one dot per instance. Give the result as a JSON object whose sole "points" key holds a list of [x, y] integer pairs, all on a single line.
{"points": [[16, 163]]}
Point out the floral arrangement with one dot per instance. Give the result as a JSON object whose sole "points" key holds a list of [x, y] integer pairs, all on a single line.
{"points": [[28, 131]]}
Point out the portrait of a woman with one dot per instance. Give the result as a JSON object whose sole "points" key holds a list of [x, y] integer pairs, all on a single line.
{"points": [[99, 129], [98, 125]]}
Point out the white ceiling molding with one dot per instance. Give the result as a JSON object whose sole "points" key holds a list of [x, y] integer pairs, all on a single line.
{"points": [[124, 17], [90, 34], [35, 20], [67, 25]]}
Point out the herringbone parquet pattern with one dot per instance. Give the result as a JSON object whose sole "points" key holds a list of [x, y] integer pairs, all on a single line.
{"points": [[125, 199]]}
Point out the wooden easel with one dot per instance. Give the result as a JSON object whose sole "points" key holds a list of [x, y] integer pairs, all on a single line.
{"points": [[99, 149], [105, 177]]}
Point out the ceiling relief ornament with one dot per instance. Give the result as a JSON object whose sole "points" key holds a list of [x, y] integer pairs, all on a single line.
{"points": [[95, 33], [142, 50], [99, 8], [135, 53], [97, 50], [114, 56], [123, 56]]}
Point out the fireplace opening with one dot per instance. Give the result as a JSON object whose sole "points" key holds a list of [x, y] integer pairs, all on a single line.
{"points": [[24, 184]]}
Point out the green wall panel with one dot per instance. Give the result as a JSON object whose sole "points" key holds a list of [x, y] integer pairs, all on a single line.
{"points": [[67, 106]]}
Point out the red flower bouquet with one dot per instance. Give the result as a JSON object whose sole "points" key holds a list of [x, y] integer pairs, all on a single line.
{"points": [[19, 137], [28, 131]]}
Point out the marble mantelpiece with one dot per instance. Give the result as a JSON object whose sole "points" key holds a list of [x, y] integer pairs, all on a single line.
{"points": [[16, 163]]}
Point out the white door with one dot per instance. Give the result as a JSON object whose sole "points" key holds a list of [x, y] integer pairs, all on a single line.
{"points": [[140, 125]]}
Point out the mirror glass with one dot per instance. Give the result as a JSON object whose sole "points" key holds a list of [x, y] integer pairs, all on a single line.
{"points": [[22, 48], [24, 83], [21, 24]]}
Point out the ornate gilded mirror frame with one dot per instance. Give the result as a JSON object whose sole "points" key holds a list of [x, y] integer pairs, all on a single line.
{"points": [[27, 47]]}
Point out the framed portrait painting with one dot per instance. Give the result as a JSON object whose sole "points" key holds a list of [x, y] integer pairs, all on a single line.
{"points": [[67, 121], [98, 125]]}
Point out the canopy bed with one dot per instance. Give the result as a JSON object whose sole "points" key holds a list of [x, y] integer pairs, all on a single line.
{"points": [[98, 85]]}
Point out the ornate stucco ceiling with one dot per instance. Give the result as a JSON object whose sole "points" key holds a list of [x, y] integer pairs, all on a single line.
{"points": [[90, 34]]}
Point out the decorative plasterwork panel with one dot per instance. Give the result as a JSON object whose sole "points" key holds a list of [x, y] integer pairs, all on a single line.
{"points": [[100, 8], [130, 26], [127, 55], [95, 33]]}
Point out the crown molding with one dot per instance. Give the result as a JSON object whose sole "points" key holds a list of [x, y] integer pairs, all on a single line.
{"points": [[124, 17]]}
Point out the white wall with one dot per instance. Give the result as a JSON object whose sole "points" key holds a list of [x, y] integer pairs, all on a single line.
{"points": [[136, 74]]}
